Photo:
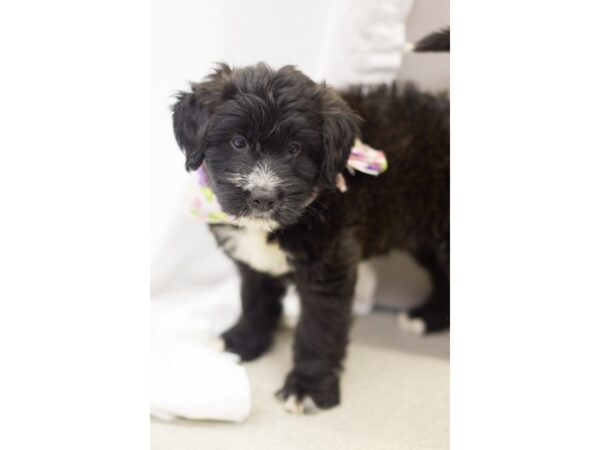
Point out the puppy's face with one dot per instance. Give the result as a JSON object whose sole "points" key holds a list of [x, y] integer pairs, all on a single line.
{"points": [[270, 141]]}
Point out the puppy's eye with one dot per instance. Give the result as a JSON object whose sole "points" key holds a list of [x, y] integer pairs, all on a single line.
{"points": [[293, 149], [239, 143]]}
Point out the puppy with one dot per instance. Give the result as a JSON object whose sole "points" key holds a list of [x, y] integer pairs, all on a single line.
{"points": [[274, 146]]}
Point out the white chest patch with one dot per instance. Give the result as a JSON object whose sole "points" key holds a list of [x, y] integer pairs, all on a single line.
{"points": [[250, 246]]}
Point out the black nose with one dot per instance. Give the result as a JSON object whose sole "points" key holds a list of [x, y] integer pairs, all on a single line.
{"points": [[263, 201]]}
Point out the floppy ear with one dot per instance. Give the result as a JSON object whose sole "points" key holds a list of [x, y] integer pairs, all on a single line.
{"points": [[340, 127], [190, 123], [191, 114]]}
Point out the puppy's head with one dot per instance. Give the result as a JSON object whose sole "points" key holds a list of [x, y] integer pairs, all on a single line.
{"points": [[269, 140]]}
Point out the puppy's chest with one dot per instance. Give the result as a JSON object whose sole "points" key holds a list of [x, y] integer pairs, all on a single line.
{"points": [[251, 246]]}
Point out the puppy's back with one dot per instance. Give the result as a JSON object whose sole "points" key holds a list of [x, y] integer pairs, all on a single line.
{"points": [[409, 203]]}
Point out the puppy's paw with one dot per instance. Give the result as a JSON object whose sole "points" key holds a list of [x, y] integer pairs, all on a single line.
{"points": [[413, 325], [299, 407], [422, 321], [306, 394], [245, 342]]}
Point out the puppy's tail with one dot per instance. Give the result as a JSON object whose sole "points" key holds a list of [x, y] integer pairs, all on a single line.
{"points": [[434, 42]]}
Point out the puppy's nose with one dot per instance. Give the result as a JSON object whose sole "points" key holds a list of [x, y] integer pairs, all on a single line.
{"points": [[262, 200]]}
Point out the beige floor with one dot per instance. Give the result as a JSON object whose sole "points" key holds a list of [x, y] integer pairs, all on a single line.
{"points": [[395, 396]]}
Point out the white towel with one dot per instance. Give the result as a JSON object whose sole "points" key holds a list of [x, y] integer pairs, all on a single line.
{"points": [[190, 377]]}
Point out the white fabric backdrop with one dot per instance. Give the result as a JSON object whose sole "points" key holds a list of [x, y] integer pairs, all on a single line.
{"points": [[194, 287]]}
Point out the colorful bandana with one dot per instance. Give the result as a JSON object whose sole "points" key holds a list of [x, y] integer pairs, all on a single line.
{"points": [[204, 204], [366, 159]]}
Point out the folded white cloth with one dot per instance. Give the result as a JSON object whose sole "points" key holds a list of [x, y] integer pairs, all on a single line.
{"points": [[196, 383], [362, 42], [190, 377]]}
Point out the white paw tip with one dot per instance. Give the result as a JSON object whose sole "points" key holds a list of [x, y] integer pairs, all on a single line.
{"points": [[413, 325], [295, 406], [218, 345]]}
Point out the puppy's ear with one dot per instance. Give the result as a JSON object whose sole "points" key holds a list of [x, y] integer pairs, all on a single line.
{"points": [[190, 123], [191, 115], [340, 127]]}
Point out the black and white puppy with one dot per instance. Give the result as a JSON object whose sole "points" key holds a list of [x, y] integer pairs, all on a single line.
{"points": [[272, 143]]}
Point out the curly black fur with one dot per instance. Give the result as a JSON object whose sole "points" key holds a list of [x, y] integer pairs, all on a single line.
{"points": [[323, 232]]}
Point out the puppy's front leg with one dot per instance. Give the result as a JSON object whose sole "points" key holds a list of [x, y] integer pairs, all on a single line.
{"points": [[252, 335], [321, 337]]}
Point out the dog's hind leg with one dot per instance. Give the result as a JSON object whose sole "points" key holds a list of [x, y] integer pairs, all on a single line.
{"points": [[252, 335], [434, 314]]}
